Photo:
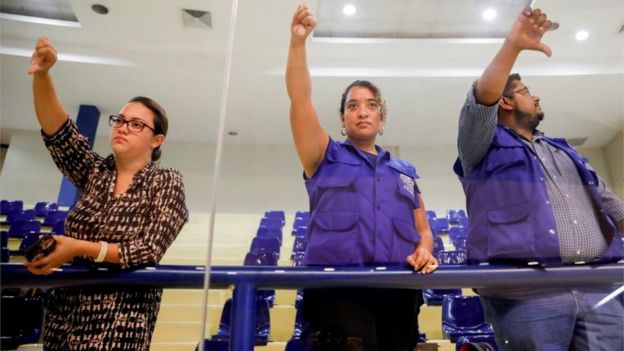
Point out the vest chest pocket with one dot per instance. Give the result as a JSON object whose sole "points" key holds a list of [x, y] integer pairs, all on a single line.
{"points": [[337, 193], [506, 161]]}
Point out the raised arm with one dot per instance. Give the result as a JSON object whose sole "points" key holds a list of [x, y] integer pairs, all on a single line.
{"points": [[525, 34], [49, 109], [310, 138]]}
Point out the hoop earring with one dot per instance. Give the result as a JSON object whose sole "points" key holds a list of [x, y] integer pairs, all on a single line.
{"points": [[381, 130], [343, 130]]}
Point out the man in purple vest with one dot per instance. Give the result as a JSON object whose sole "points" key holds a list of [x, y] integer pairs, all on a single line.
{"points": [[365, 210], [534, 200]]}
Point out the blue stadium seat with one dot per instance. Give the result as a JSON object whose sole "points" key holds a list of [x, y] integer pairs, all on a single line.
{"points": [[20, 228], [300, 244], [301, 222], [276, 214], [463, 222], [22, 320], [299, 298], [460, 243], [42, 208], [23, 215], [457, 257], [456, 233], [431, 215], [271, 223], [263, 323], [302, 219], [5, 255], [439, 226], [267, 232], [302, 214], [4, 239], [260, 258], [434, 297], [485, 342], [8, 206], [53, 217], [463, 315], [299, 324], [266, 244], [438, 244], [453, 216], [256, 258], [301, 231], [297, 259]]}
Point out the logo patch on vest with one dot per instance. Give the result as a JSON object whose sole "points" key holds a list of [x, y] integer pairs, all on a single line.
{"points": [[408, 183]]}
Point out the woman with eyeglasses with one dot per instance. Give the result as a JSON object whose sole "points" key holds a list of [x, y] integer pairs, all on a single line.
{"points": [[365, 210], [130, 211]]}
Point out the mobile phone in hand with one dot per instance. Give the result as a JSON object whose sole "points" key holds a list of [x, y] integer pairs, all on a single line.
{"points": [[43, 246]]}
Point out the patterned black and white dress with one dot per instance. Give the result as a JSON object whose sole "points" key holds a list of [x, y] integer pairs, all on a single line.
{"points": [[144, 221]]}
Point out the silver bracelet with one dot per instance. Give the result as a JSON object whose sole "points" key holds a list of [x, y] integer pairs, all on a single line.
{"points": [[103, 250]]}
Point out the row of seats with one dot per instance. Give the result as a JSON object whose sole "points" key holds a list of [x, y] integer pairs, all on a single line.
{"points": [[264, 251], [17, 220], [25, 224], [10, 208]]}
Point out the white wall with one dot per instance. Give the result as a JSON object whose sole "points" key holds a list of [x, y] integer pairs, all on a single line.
{"points": [[28, 172], [614, 152], [254, 178]]}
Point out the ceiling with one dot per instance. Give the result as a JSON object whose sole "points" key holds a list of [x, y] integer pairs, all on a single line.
{"points": [[142, 47]]}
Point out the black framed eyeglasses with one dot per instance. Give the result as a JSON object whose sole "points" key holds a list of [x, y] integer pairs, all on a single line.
{"points": [[523, 91], [135, 126]]}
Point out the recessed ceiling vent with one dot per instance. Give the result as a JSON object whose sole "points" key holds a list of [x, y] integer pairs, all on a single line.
{"points": [[196, 18], [576, 141]]}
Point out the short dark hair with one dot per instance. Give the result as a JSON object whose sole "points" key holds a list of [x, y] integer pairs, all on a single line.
{"points": [[370, 86], [161, 122], [512, 78]]}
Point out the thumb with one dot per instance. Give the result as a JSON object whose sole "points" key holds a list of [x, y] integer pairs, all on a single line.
{"points": [[545, 49]]}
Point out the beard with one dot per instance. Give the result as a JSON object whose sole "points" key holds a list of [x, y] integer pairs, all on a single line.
{"points": [[529, 120]]}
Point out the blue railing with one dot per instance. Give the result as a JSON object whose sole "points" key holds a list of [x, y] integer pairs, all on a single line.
{"points": [[248, 279]]}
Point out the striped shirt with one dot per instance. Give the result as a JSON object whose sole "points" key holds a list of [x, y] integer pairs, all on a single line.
{"points": [[579, 234]]}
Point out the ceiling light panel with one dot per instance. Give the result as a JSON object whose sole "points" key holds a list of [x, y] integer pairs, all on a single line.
{"points": [[416, 18]]}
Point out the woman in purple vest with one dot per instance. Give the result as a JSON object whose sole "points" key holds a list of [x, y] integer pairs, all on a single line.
{"points": [[365, 210]]}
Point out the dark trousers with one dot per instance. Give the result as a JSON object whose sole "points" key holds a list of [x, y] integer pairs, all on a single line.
{"points": [[361, 319]]}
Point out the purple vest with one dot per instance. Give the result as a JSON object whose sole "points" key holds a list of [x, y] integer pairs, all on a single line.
{"points": [[509, 209], [361, 213]]}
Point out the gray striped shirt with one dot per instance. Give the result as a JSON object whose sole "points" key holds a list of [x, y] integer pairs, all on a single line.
{"points": [[580, 238]]}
